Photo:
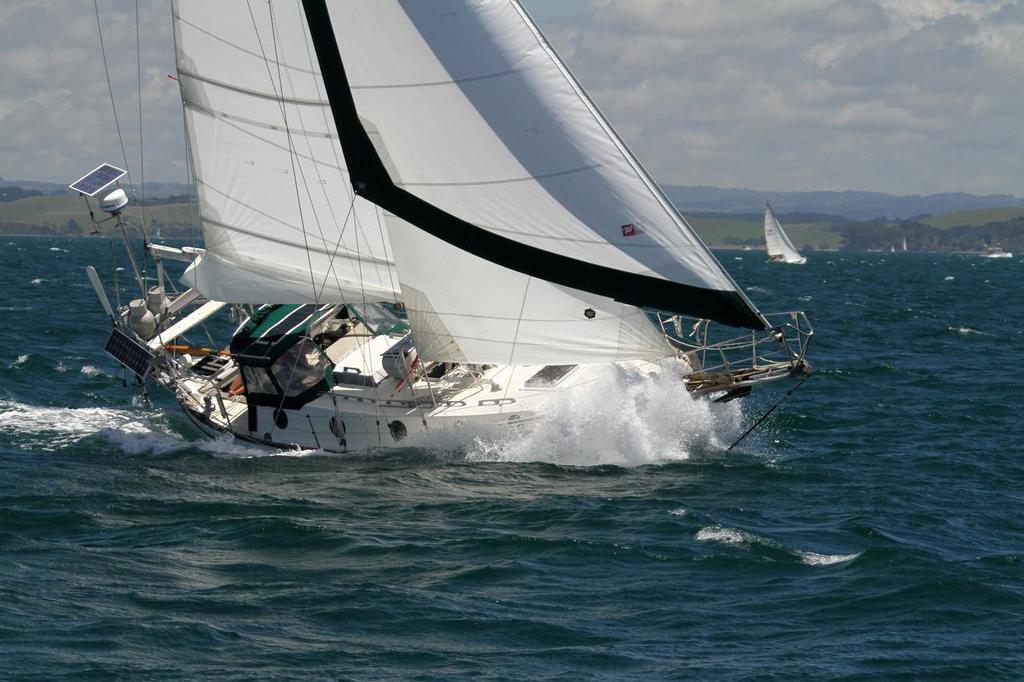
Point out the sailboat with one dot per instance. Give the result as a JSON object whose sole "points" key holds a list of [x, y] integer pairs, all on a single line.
{"points": [[904, 245], [780, 248], [423, 222]]}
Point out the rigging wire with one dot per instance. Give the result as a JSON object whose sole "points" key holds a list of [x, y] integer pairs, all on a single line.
{"points": [[295, 180], [767, 414], [142, 155]]}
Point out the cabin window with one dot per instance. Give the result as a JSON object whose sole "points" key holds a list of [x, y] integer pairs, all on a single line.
{"points": [[300, 368], [257, 381], [549, 376]]}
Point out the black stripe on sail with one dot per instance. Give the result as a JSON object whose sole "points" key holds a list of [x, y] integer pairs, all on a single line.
{"points": [[371, 181]]}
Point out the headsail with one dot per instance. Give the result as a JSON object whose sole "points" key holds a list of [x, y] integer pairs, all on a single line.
{"points": [[482, 138], [779, 246], [275, 201]]}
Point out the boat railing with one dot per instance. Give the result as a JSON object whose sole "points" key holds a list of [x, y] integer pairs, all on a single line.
{"points": [[734, 364]]}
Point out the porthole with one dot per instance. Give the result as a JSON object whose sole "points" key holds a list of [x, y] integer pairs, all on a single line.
{"points": [[398, 430]]}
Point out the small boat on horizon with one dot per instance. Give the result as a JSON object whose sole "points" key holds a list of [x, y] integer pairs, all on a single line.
{"points": [[780, 248], [995, 251]]}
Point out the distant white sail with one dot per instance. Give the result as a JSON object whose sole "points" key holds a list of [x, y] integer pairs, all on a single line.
{"points": [[780, 248]]}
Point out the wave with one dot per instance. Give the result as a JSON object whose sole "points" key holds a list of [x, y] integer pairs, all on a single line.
{"points": [[653, 420], [53, 428], [966, 330], [742, 538]]}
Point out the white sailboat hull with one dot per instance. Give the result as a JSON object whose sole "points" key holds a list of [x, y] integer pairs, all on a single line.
{"points": [[346, 420]]}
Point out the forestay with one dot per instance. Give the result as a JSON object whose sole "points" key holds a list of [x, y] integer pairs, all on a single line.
{"points": [[779, 245], [275, 200]]}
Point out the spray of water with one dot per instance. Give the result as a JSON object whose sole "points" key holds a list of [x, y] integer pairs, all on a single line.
{"points": [[623, 417]]}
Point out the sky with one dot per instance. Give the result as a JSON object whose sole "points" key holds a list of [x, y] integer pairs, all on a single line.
{"points": [[897, 96]]}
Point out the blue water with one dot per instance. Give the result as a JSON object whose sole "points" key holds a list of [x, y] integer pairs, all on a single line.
{"points": [[872, 528]]}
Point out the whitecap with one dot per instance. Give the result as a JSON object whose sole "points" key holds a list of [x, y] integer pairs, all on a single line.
{"points": [[681, 511], [741, 538], [727, 536], [93, 371], [38, 280], [948, 278], [22, 359], [815, 559], [966, 330], [653, 419], [61, 367], [51, 428], [758, 290]]}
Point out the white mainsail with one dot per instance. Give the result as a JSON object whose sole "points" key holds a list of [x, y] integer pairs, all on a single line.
{"points": [[779, 245], [522, 228], [275, 201]]}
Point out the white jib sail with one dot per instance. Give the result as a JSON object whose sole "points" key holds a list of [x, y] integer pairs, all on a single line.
{"points": [[275, 201], [473, 112], [779, 245]]}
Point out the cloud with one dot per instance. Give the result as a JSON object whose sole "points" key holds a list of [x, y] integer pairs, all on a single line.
{"points": [[56, 120], [809, 94], [906, 96]]}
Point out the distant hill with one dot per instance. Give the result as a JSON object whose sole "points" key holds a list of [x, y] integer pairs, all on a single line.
{"points": [[852, 205], [817, 221], [153, 189], [68, 214], [975, 218]]}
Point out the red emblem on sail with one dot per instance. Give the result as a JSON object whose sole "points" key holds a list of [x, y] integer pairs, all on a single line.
{"points": [[631, 230]]}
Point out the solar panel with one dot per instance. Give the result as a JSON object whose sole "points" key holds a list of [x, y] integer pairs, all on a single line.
{"points": [[129, 352], [93, 182]]}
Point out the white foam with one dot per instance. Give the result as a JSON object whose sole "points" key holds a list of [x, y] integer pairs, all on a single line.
{"points": [[681, 511], [815, 559], [38, 280], [51, 428], [622, 417], [948, 278], [94, 371], [966, 330], [740, 538], [226, 445], [61, 367], [727, 536], [22, 359]]}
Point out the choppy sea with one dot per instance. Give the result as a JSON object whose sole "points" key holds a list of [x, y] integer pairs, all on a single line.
{"points": [[871, 528]]}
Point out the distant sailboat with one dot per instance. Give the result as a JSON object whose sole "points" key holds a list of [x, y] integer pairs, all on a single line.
{"points": [[904, 244], [779, 247], [996, 251]]}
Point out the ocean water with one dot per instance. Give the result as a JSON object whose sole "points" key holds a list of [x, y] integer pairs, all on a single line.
{"points": [[871, 528]]}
